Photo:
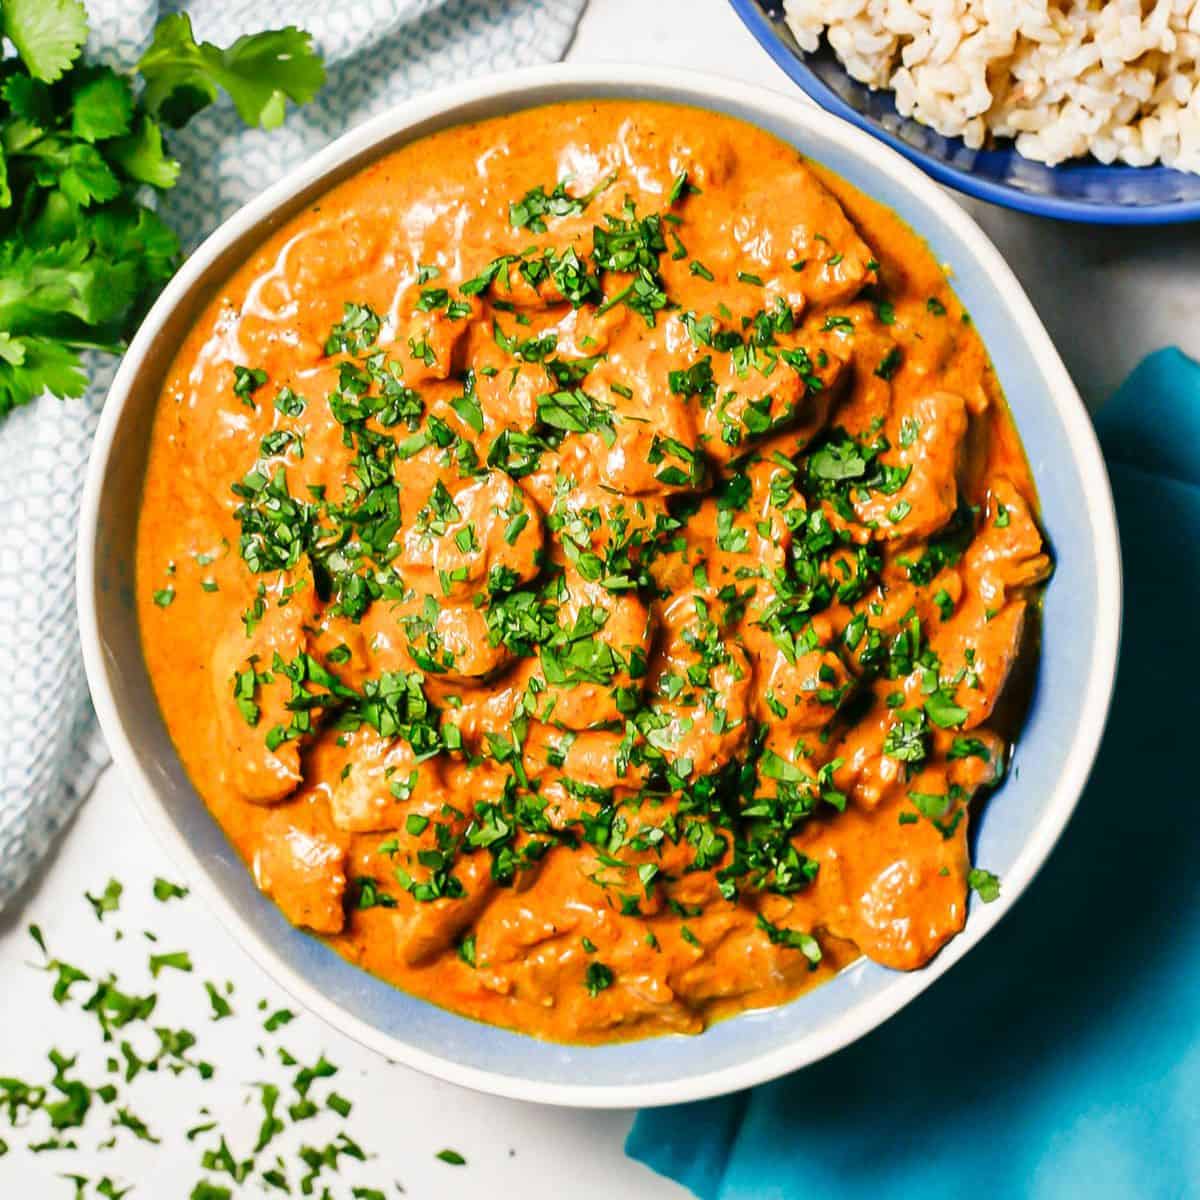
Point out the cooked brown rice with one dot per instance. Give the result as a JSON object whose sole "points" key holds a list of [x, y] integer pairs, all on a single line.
{"points": [[1118, 79]]}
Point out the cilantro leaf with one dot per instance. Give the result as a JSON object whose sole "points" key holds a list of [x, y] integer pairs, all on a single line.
{"points": [[132, 233], [30, 101], [837, 461], [143, 157], [30, 366], [102, 105], [81, 256], [260, 72], [48, 34], [59, 290], [85, 177]]}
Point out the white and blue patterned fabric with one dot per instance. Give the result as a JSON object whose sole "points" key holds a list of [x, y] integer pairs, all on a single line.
{"points": [[377, 52]]}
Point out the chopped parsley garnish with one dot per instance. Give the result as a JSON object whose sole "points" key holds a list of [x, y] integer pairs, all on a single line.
{"points": [[247, 381], [906, 738], [108, 901], [942, 710], [890, 363], [984, 884], [968, 747], [531, 211], [356, 332], [793, 939], [165, 890], [278, 1019], [178, 960], [597, 978]]}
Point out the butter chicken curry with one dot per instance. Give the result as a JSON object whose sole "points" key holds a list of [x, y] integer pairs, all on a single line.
{"points": [[580, 560]]}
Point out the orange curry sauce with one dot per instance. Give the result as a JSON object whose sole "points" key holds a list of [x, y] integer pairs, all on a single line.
{"points": [[579, 563]]}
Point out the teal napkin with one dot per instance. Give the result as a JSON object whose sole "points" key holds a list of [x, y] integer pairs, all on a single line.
{"points": [[1061, 1059]]}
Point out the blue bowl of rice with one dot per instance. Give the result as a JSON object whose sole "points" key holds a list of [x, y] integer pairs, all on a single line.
{"points": [[1106, 70]]}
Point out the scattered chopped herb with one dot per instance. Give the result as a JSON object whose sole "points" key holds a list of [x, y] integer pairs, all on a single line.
{"points": [[247, 381], [985, 884], [794, 939], [597, 978], [943, 711], [890, 363], [221, 1008], [968, 747], [278, 1019], [177, 960], [108, 901]]}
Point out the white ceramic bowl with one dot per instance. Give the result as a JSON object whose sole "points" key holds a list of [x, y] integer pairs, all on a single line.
{"points": [[1020, 823]]}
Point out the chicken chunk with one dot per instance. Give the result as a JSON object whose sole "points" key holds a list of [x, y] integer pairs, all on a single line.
{"points": [[1008, 553], [802, 693], [927, 499], [382, 784], [303, 872], [508, 396], [898, 891], [977, 657], [798, 220], [647, 455], [451, 641], [431, 344], [251, 696], [595, 759], [424, 929], [748, 405], [702, 705], [465, 529], [605, 646]]}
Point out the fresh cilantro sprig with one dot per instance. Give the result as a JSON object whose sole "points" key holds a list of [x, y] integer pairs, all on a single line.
{"points": [[82, 152]]}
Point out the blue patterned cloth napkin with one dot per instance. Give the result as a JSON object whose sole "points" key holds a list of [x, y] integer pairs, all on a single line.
{"points": [[377, 52], [1062, 1058]]}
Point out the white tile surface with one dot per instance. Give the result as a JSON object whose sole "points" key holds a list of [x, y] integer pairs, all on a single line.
{"points": [[1107, 298]]}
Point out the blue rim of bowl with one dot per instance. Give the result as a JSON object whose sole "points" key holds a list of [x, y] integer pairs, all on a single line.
{"points": [[792, 62]]}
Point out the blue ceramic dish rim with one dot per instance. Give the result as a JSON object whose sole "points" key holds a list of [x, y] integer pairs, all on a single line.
{"points": [[753, 1047], [1083, 212]]}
